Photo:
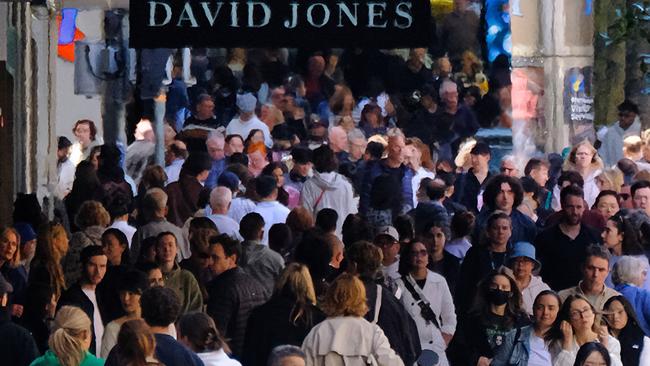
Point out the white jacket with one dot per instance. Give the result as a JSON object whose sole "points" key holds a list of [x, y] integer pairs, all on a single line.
{"points": [[563, 357], [529, 294], [439, 297], [337, 194], [217, 358], [343, 341]]}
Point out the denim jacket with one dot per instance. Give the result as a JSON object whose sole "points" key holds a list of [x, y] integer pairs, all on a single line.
{"points": [[515, 348]]}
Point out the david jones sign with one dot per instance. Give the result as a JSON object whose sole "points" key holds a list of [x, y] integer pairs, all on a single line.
{"points": [[279, 23]]}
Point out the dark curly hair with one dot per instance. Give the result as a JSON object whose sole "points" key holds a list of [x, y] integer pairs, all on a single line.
{"points": [[160, 306], [493, 187]]}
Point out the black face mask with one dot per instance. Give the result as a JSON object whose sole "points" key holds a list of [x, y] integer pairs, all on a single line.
{"points": [[498, 297]]}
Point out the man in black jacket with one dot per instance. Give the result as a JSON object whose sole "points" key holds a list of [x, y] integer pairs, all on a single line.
{"points": [[17, 346], [469, 185], [364, 260], [83, 295], [233, 293]]}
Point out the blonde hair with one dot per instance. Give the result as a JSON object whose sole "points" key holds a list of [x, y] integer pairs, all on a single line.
{"points": [[633, 144], [92, 213], [346, 297], [52, 246], [296, 280], [15, 260], [596, 161], [612, 179], [71, 327]]}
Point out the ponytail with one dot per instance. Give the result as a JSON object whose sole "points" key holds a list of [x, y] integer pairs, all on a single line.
{"points": [[201, 332], [71, 326]]}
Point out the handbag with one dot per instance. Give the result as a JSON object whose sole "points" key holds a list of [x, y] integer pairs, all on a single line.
{"points": [[425, 307]]}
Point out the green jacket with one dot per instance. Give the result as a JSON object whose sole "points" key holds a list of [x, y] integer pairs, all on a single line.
{"points": [[50, 359], [186, 287]]}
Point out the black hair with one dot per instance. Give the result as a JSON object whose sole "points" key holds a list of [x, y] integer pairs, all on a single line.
{"points": [[631, 241], [493, 187], [230, 245], [638, 185], [375, 150], [196, 163], [571, 190], [122, 239], [598, 251], [325, 160], [280, 239], [572, 177], [145, 247], [147, 267], [250, 225], [587, 349], [265, 185], [89, 252], [405, 263], [628, 106], [239, 158], [605, 193], [133, 281], [160, 306], [326, 219], [405, 227], [355, 228], [314, 252]]}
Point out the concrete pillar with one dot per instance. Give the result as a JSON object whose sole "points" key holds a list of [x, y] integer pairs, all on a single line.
{"points": [[552, 42]]}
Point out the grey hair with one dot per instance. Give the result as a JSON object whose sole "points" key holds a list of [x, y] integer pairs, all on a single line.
{"points": [[281, 352], [447, 84], [508, 157], [155, 200], [628, 270], [216, 136], [356, 134], [395, 132]]}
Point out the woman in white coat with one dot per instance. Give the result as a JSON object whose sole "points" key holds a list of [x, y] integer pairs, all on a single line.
{"points": [[345, 337], [328, 189], [427, 298]]}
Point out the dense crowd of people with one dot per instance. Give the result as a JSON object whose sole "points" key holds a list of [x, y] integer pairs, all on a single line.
{"points": [[333, 208]]}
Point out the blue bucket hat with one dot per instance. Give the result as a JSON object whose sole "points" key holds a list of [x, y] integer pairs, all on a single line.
{"points": [[524, 249]]}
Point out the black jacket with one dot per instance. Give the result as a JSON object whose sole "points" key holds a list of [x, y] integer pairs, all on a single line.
{"points": [[397, 324], [466, 190], [478, 263], [17, 347], [231, 297], [270, 325], [74, 296], [107, 290]]}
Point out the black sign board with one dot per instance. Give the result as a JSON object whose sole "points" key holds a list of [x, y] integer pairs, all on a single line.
{"points": [[279, 23]]}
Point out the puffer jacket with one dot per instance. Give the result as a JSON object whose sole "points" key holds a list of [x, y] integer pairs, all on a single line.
{"points": [[71, 263], [231, 297], [329, 190]]}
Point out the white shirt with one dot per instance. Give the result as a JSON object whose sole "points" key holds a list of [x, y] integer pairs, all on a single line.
{"points": [[173, 171], [226, 225], [239, 207], [124, 227], [417, 179], [236, 126], [539, 354], [273, 213], [97, 319], [66, 172]]}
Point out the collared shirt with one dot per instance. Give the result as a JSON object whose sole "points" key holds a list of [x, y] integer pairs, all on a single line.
{"points": [[174, 170], [598, 301], [560, 255]]}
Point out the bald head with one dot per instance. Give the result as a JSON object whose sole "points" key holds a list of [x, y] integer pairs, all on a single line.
{"points": [[220, 199], [338, 139]]}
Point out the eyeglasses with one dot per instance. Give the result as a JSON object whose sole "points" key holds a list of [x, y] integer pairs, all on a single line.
{"points": [[419, 253], [577, 314]]}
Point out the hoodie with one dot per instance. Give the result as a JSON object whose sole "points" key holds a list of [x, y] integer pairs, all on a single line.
{"points": [[329, 190], [529, 294]]}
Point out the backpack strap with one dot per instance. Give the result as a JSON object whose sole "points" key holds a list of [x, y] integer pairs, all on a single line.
{"points": [[377, 304]]}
